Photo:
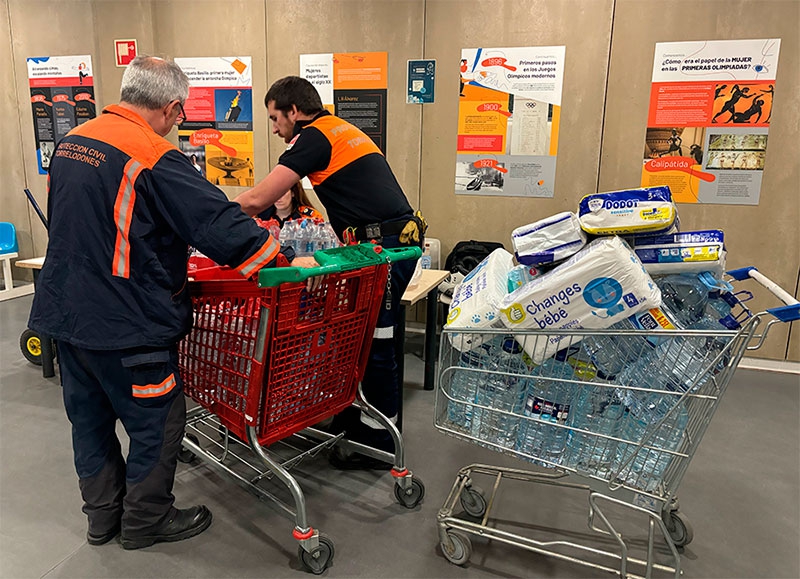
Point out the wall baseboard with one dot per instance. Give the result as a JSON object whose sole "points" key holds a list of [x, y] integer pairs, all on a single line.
{"points": [[770, 365]]}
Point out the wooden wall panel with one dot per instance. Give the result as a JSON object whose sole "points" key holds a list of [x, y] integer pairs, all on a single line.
{"points": [[766, 235]]}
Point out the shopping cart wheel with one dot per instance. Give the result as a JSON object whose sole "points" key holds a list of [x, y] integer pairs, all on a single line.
{"points": [[31, 345], [185, 455], [457, 548], [473, 501], [412, 496], [680, 530], [320, 558]]}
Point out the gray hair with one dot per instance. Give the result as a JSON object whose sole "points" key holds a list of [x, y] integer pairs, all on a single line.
{"points": [[151, 83]]}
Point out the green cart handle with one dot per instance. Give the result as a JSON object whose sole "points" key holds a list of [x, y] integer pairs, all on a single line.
{"points": [[337, 260]]}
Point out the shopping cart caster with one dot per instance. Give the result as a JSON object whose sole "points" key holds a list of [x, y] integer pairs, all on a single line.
{"points": [[409, 493], [680, 530], [31, 345], [319, 558], [473, 501], [185, 455], [456, 548]]}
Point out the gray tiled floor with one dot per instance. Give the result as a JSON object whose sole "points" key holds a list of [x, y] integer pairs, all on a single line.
{"points": [[741, 493]]}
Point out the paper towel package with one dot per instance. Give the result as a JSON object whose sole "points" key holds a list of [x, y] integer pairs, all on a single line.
{"points": [[686, 252], [598, 286], [476, 300], [647, 210], [548, 240]]}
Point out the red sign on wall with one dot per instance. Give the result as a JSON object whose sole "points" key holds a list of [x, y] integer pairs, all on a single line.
{"points": [[125, 51]]}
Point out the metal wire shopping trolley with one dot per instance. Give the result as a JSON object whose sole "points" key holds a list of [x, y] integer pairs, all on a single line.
{"points": [[267, 360], [626, 436]]}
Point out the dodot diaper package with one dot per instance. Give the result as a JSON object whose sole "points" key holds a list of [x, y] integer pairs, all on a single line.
{"points": [[646, 210], [598, 286], [548, 240], [476, 300], [686, 252]]}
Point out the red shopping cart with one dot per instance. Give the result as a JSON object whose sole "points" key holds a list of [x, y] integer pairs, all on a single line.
{"points": [[269, 359]]}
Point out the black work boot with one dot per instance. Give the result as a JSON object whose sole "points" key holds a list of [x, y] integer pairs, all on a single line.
{"points": [[181, 524], [102, 538]]}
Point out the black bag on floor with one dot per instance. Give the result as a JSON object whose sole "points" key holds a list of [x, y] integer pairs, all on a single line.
{"points": [[466, 255]]}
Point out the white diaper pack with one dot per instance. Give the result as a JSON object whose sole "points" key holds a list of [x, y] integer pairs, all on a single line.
{"points": [[476, 300], [686, 252], [598, 286], [648, 210], [548, 240]]}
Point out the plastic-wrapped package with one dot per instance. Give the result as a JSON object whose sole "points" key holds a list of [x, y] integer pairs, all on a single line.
{"points": [[552, 239], [476, 300], [601, 284], [648, 210], [520, 275], [686, 252]]}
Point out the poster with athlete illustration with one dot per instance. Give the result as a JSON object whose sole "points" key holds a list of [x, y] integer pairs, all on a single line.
{"points": [[217, 134], [508, 117], [708, 125], [62, 97]]}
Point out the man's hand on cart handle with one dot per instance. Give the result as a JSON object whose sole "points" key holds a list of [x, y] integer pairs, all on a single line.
{"points": [[313, 282]]}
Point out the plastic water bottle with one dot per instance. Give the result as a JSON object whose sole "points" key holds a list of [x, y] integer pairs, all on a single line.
{"points": [[503, 391], [288, 235], [611, 353], [599, 411], [683, 296], [646, 469], [547, 402], [464, 386]]}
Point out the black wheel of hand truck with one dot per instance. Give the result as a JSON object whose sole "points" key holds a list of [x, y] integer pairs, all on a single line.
{"points": [[319, 559], [473, 501], [457, 548], [680, 530], [31, 345], [412, 496], [185, 455]]}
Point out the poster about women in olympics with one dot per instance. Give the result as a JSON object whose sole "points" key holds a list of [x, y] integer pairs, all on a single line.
{"points": [[708, 125], [217, 135], [508, 118]]}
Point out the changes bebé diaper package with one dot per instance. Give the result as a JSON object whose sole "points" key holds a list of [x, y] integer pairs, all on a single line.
{"points": [[476, 300], [598, 286], [632, 211], [686, 252], [548, 240]]}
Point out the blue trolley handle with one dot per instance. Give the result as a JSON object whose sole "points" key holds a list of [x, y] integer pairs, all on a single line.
{"points": [[788, 313]]}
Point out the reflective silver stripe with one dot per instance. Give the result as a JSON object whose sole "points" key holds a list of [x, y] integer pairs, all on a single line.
{"points": [[125, 208], [265, 254], [156, 390], [374, 424], [383, 333]]}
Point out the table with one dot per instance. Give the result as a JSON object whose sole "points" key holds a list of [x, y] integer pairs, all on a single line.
{"points": [[48, 368]]}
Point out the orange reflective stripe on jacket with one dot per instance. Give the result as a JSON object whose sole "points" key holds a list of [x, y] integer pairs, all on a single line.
{"points": [[260, 258], [123, 212], [154, 390]]}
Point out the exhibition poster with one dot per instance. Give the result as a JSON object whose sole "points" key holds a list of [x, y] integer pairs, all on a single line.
{"points": [[708, 125], [508, 116], [352, 86], [420, 81], [217, 134], [62, 97]]}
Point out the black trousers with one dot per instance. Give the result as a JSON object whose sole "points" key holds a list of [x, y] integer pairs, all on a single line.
{"points": [[380, 383], [142, 388]]}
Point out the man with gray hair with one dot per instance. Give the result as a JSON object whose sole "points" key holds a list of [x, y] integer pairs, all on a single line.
{"points": [[124, 204]]}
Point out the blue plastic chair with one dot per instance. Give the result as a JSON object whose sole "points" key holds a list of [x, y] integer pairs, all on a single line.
{"points": [[8, 238]]}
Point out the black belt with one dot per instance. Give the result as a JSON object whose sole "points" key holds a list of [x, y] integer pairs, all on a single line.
{"points": [[380, 230]]}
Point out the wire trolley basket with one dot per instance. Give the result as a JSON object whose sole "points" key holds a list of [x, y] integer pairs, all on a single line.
{"points": [[268, 359], [626, 436]]}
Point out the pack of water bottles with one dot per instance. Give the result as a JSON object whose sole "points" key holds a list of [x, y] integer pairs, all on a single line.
{"points": [[600, 366], [306, 236]]}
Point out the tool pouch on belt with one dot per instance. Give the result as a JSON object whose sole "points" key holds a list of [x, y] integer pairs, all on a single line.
{"points": [[414, 231]]}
